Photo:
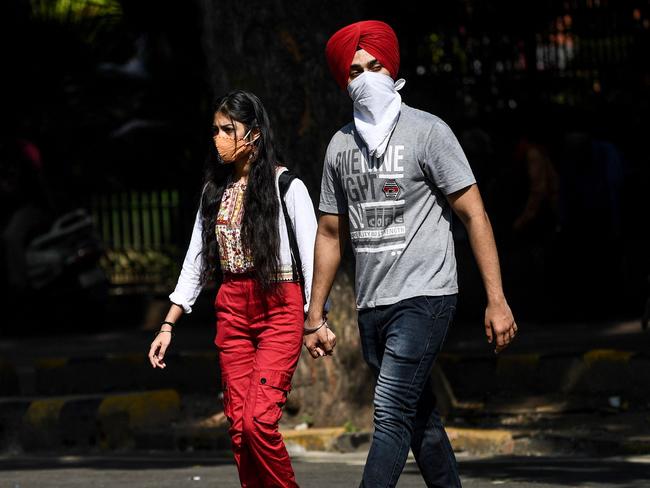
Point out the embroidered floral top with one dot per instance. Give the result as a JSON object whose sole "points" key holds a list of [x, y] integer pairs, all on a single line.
{"points": [[234, 258], [303, 219]]}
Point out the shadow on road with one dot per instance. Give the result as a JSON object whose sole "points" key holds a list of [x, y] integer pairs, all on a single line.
{"points": [[133, 461], [567, 471]]}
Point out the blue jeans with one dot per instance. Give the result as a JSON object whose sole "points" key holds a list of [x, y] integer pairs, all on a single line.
{"points": [[400, 344]]}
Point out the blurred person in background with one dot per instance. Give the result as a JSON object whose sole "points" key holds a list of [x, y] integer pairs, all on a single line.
{"points": [[540, 212], [533, 194], [25, 212]]}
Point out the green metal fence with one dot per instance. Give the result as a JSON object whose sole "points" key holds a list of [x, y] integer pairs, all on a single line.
{"points": [[140, 230]]}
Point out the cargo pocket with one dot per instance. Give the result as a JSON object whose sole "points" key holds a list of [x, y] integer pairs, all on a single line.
{"points": [[227, 403], [272, 392]]}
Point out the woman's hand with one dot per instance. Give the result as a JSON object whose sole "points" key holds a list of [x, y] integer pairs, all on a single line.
{"points": [[159, 346]]}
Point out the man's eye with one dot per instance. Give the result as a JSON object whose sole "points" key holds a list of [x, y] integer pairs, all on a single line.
{"points": [[377, 67]]}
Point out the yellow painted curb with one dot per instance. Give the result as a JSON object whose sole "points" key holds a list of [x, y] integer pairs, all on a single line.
{"points": [[483, 440], [607, 355], [462, 439], [143, 409], [313, 439], [43, 414], [49, 363]]}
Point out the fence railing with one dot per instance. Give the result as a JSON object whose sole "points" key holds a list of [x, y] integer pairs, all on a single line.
{"points": [[141, 231]]}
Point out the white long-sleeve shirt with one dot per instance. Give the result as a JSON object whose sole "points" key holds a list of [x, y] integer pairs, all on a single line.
{"points": [[303, 220]]}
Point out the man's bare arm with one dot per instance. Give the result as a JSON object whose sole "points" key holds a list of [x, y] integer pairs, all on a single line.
{"points": [[499, 321], [330, 243]]}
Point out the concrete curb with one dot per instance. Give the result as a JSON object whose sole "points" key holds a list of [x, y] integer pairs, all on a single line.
{"points": [[487, 442], [594, 372], [594, 444], [475, 441], [145, 421], [109, 421], [483, 441], [322, 439]]}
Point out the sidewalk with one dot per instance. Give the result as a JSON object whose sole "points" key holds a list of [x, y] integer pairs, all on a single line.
{"points": [[463, 338]]}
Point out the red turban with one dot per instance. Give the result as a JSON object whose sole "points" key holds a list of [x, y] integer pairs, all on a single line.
{"points": [[371, 35]]}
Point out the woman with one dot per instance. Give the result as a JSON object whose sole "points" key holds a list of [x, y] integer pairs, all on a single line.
{"points": [[240, 230]]}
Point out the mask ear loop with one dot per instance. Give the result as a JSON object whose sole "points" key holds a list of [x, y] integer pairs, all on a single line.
{"points": [[254, 153], [246, 135]]}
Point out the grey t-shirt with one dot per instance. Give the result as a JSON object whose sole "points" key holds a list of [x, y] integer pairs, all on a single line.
{"points": [[400, 220]]}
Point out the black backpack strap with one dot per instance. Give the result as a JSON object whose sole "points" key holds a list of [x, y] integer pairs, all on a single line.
{"points": [[286, 177]]}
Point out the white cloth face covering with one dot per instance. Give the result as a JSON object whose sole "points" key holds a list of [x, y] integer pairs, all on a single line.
{"points": [[377, 106]]}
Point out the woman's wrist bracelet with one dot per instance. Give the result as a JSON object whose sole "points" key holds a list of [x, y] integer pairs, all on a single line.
{"points": [[167, 322]]}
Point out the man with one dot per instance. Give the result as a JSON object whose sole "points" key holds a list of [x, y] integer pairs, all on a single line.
{"points": [[390, 181]]}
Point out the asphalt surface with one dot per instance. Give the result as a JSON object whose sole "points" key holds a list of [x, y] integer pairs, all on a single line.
{"points": [[162, 470]]}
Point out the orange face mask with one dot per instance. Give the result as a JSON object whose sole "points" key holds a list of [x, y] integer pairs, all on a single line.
{"points": [[230, 149]]}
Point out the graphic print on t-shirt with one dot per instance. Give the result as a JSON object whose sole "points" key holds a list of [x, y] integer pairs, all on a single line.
{"points": [[400, 220], [375, 198]]}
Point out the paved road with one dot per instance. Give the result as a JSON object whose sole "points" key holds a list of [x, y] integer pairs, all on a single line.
{"points": [[312, 470]]}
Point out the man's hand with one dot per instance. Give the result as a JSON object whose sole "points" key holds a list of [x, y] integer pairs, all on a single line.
{"points": [[500, 324], [319, 343]]}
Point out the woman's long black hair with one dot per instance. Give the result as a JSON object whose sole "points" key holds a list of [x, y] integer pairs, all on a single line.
{"points": [[260, 221]]}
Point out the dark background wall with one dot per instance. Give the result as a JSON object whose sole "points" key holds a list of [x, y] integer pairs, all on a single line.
{"points": [[106, 106]]}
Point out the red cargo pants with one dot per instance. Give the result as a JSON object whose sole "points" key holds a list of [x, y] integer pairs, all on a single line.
{"points": [[258, 349]]}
